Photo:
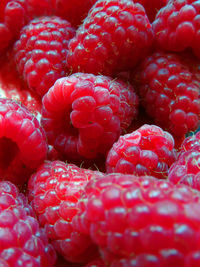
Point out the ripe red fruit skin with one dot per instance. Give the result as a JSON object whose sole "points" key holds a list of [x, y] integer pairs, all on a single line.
{"points": [[54, 191], [41, 50], [84, 114], [12, 18], [15, 14], [23, 144], [141, 222], [169, 92], [146, 151], [23, 243], [114, 37], [191, 143], [186, 170], [177, 27]]}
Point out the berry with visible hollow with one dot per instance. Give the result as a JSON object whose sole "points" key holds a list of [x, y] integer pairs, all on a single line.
{"points": [[83, 114], [23, 145]]}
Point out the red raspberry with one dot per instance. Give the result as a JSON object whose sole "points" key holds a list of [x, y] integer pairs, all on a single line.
{"points": [[14, 14], [146, 151], [193, 64], [12, 19], [25, 97], [41, 51], [191, 143], [141, 222], [113, 37], [170, 93], [84, 114], [186, 170], [23, 243], [54, 192], [152, 7], [22, 142], [177, 26]]}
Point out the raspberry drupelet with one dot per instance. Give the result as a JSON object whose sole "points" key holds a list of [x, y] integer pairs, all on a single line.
{"points": [[113, 37], [23, 145], [147, 151], [15, 14], [23, 242], [12, 18], [186, 170], [54, 191], [84, 114], [191, 143], [40, 53], [141, 222], [177, 26], [169, 92]]}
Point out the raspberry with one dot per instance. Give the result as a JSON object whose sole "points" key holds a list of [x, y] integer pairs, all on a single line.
{"points": [[41, 51], [177, 26], [12, 19], [170, 93], [191, 143], [113, 37], [54, 192], [84, 114], [158, 223], [23, 243], [147, 151], [152, 7], [186, 170], [22, 142], [14, 14], [192, 62]]}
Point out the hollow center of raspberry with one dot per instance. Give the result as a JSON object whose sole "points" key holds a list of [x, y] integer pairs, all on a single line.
{"points": [[68, 127], [8, 151]]}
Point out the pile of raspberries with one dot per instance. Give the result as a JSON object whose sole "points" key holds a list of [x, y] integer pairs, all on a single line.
{"points": [[100, 133]]}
